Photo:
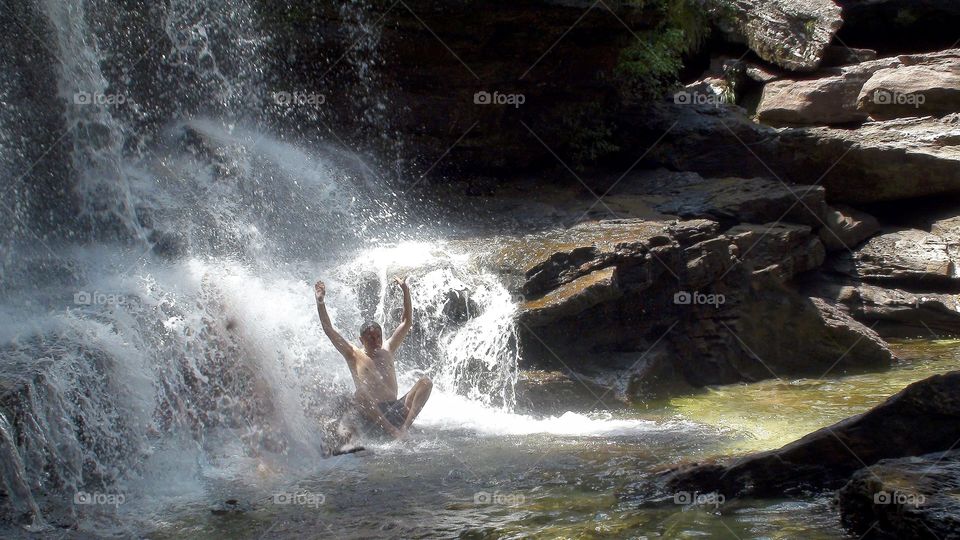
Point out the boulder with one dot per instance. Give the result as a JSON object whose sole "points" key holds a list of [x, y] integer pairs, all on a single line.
{"points": [[920, 90], [922, 418], [845, 228], [792, 34], [828, 99], [572, 298], [890, 311], [678, 304], [911, 257], [914, 497], [880, 161], [908, 85]]}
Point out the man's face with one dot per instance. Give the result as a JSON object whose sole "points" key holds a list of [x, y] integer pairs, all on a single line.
{"points": [[372, 339]]}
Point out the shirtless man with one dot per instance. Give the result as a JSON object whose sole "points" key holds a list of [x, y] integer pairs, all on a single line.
{"points": [[373, 370]]}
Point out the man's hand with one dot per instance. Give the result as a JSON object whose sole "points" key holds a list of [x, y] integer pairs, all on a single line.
{"points": [[401, 282], [320, 291]]}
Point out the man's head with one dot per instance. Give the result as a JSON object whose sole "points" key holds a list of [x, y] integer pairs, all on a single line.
{"points": [[371, 335]]}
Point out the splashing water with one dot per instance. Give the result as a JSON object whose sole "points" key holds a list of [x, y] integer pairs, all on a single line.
{"points": [[178, 341]]}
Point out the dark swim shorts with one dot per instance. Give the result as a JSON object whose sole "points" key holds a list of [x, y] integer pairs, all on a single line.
{"points": [[394, 411]]}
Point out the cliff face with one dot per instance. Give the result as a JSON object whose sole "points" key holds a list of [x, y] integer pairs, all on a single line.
{"points": [[489, 87]]}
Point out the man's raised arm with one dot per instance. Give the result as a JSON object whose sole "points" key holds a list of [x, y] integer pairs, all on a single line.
{"points": [[341, 344], [406, 322]]}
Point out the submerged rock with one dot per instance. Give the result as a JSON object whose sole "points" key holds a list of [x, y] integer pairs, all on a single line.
{"points": [[915, 497], [556, 392], [922, 418]]}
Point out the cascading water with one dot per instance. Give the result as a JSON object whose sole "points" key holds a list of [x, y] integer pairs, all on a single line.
{"points": [[179, 341]]}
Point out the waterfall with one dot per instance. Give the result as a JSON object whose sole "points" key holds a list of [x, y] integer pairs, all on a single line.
{"points": [[180, 337]]}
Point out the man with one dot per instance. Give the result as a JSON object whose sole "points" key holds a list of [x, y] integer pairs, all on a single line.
{"points": [[373, 370]]}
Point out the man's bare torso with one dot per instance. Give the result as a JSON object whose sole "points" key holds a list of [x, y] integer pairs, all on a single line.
{"points": [[374, 374]]}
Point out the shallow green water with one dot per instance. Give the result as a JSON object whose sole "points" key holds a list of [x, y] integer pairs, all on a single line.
{"points": [[460, 484]]}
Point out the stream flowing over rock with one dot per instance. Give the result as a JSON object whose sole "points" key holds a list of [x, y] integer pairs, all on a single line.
{"points": [[923, 418]]}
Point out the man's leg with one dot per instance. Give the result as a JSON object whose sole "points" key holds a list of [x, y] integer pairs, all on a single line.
{"points": [[415, 399]]}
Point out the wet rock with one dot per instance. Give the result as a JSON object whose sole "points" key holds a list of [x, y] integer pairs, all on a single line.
{"points": [[229, 507], [911, 257], [168, 245], [922, 418], [572, 298], [790, 34], [915, 497], [556, 392], [930, 89], [714, 305], [846, 227]]}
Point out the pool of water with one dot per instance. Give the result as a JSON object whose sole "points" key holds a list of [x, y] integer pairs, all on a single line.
{"points": [[534, 480]]}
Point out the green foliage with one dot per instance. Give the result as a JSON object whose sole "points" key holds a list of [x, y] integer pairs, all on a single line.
{"points": [[588, 135], [648, 67]]}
